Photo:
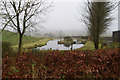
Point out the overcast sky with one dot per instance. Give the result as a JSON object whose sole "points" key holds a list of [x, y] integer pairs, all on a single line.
{"points": [[64, 17]]}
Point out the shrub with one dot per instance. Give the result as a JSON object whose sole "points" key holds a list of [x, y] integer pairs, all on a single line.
{"points": [[67, 38], [101, 63]]}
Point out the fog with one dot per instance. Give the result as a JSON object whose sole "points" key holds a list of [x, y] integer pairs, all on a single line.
{"points": [[64, 17]]}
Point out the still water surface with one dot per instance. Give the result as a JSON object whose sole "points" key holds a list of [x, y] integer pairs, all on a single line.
{"points": [[53, 44]]}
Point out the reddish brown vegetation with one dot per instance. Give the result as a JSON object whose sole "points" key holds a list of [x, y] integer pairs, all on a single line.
{"points": [[68, 64]]}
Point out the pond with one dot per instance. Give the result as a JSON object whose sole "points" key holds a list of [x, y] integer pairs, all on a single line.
{"points": [[53, 44]]}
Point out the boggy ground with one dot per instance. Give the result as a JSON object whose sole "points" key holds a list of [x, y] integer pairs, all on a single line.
{"points": [[101, 63]]}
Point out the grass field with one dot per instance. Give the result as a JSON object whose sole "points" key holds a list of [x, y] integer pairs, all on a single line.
{"points": [[32, 45], [28, 41], [13, 38], [89, 46]]}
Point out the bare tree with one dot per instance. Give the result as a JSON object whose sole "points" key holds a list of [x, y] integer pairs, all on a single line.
{"points": [[97, 18], [22, 14]]}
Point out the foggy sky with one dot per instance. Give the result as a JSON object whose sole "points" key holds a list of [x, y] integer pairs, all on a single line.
{"points": [[64, 17]]}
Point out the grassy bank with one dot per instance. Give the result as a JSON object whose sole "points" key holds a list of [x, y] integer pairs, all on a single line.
{"points": [[66, 42], [89, 46], [31, 45], [29, 42], [13, 38]]}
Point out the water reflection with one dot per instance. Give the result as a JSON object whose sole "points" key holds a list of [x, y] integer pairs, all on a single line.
{"points": [[53, 44]]}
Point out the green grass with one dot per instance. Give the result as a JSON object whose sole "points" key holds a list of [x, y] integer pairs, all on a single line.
{"points": [[13, 38], [89, 46], [116, 44], [29, 42], [65, 42], [33, 44], [82, 39]]}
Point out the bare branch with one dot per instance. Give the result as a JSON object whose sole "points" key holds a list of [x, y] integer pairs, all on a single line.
{"points": [[8, 14]]}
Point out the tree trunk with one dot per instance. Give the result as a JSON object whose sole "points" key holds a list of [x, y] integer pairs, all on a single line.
{"points": [[20, 43], [96, 43]]}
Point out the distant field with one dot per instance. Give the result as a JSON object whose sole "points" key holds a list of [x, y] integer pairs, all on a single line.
{"points": [[13, 38]]}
